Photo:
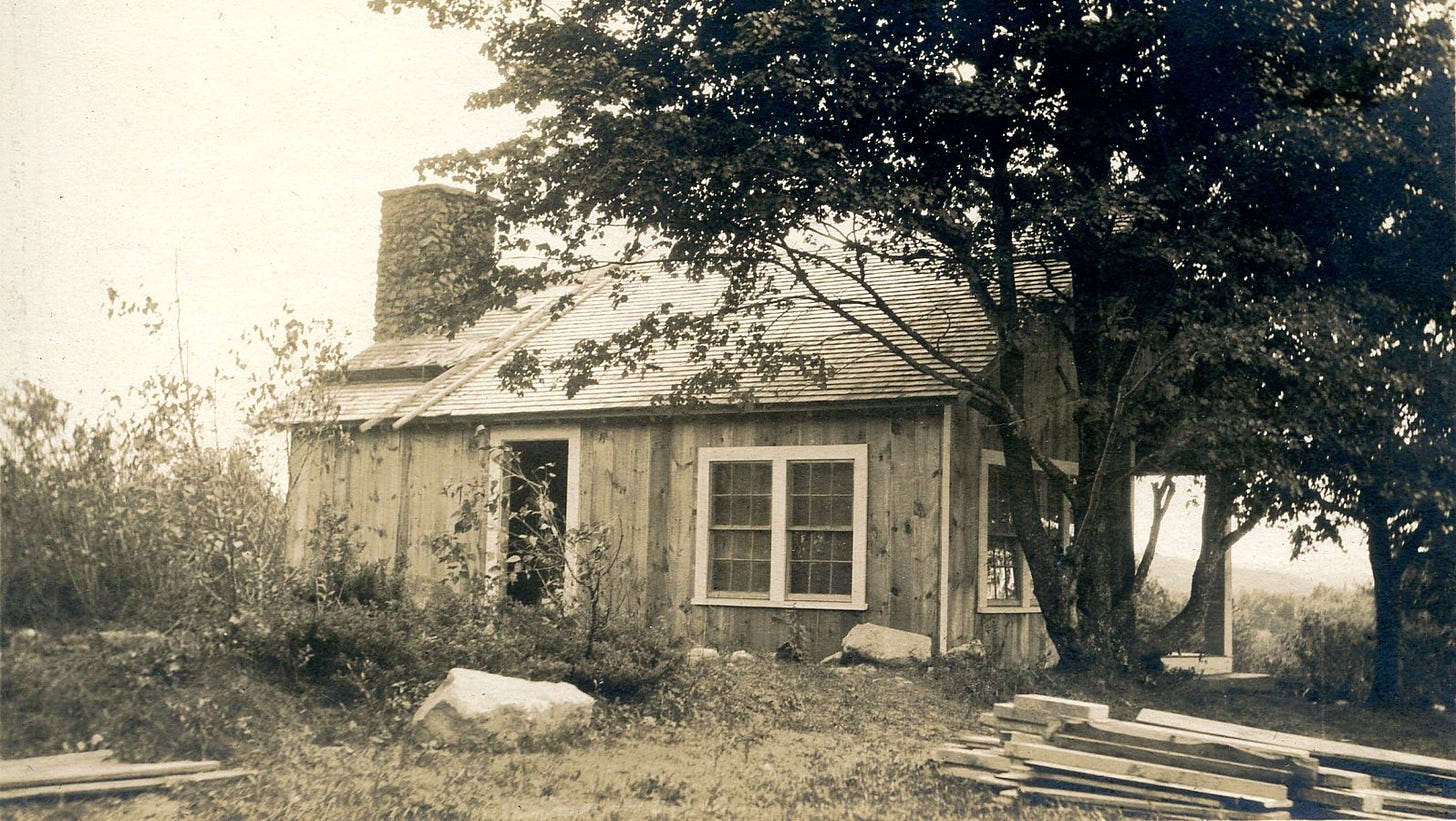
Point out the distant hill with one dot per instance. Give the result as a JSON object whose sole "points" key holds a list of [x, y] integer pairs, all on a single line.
{"points": [[1174, 572]]}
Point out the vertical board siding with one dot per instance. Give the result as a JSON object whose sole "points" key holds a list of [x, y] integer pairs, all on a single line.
{"points": [[1011, 638], [639, 477], [964, 503], [642, 478], [437, 458], [390, 484]]}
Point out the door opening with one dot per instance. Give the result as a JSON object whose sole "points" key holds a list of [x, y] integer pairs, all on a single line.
{"points": [[535, 524]]}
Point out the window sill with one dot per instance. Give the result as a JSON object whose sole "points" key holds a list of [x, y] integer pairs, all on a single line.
{"points": [[788, 604]]}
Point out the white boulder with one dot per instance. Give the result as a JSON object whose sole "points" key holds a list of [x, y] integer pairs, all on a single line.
{"points": [[471, 705], [886, 645], [698, 655]]}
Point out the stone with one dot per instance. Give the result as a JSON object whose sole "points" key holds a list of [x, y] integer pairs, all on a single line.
{"points": [[886, 645], [972, 650], [471, 705], [740, 655], [697, 655]]}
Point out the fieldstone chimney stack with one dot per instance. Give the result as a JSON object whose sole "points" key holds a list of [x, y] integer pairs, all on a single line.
{"points": [[436, 247]]}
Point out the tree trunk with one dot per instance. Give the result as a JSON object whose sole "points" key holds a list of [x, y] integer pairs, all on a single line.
{"points": [[1182, 631], [1385, 673]]}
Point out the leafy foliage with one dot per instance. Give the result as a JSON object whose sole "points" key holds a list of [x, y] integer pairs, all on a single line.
{"points": [[1321, 645], [131, 523]]}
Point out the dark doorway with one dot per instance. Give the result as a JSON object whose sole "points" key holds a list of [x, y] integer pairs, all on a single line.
{"points": [[542, 463]]}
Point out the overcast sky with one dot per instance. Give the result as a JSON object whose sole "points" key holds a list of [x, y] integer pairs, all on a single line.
{"points": [[242, 144], [238, 147]]}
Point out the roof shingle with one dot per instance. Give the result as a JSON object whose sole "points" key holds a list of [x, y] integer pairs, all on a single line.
{"points": [[862, 368]]}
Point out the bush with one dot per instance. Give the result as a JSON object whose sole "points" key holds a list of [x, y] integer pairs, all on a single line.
{"points": [[1155, 607], [108, 522], [1428, 656], [337, 574], [985, 681], [349, 651], [1329, 654]]}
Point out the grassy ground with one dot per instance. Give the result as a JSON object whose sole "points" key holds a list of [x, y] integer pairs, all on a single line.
{"points": [[754, 739]]}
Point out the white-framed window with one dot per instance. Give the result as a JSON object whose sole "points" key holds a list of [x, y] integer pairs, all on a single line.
{"points": [[782, 527], [1004, 574]]}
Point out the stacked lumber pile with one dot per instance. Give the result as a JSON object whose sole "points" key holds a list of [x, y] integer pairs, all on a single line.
{"points": [[1175, 766], [79, 775]]}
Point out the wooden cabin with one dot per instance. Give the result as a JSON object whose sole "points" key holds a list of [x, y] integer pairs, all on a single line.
{"points": [[874, 497]]}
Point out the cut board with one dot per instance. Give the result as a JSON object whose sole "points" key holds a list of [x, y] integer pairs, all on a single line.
{"points": [[1320, 747]]}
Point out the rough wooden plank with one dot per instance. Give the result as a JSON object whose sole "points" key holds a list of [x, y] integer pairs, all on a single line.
{"points": [[1298, 762], [1445, 807], [1361, 800], [1231, 800], [1343, 779], [104, 771], [1320, 747], [118, 786], [1059, 707], [1007, 725], [20, 766], [1162, 809], [1042, 753], [1102, 785], [1204, 744], [977, 740], [983, 759], [1006, 711], [975, 776], [1187, 761]]}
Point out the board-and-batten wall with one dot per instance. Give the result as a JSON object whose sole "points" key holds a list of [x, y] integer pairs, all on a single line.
{"points": [[640, 476], [650, 473]]}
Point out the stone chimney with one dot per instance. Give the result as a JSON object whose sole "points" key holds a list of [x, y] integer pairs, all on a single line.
{"points": [[436, 246]]}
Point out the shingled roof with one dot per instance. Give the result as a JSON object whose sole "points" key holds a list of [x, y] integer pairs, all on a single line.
{"points": [[425, 377]]}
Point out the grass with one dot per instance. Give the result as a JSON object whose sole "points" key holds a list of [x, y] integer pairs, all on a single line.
{"points": [[748, 739]]}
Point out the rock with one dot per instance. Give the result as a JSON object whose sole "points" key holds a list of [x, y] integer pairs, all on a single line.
{"points": [[833, 658], [26, 637], [972, 650], [472, 705], [886, 645], [740, 655], [697, 655]]}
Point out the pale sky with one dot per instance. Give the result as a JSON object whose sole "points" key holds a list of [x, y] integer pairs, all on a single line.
{"points": [[243, 144]]}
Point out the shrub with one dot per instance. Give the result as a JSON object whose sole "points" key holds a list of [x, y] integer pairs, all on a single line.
{"points": [[337, 573], [347, 651], [1155, 607], [134, 522], [1329, 654], [341, 652], [1428, 658], [984, 681]]}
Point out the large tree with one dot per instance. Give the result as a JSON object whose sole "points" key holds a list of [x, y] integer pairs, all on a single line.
{"points": [[1155, 147]]}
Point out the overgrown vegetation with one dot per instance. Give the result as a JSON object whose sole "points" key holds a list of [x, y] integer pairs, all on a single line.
{"points": [[130, 521], [1320, 646]]}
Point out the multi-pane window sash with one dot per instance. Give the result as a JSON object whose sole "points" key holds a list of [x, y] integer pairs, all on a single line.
{"points": [[782, 526], [1005, 582]]}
